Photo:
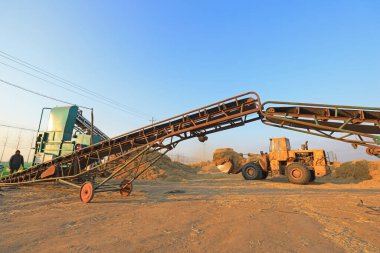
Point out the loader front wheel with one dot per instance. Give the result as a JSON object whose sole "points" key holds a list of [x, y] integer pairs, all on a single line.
{"points": [[265, 174], [252, 171], [312, 176], [298, 174]]}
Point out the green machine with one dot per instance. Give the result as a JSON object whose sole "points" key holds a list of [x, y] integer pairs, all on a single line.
{"points": [[67, 131]]}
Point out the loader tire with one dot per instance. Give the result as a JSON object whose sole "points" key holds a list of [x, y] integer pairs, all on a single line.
{"points": [[298, 174], [252, 171], [265, 174], [312, 176]]}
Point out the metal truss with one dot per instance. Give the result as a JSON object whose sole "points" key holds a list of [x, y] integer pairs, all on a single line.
{"points": [[86, 164], [96, 167], [351, 124]]}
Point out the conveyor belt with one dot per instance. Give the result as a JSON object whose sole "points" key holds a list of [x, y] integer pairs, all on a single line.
{"points": [[88, 162], [85, 124], [351, 124]]}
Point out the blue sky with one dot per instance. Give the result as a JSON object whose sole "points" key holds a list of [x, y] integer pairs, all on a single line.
{"points": [[162, 58]]}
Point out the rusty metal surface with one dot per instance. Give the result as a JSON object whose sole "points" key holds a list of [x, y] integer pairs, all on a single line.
{"points": [[125, 187], [163, 135], [50, 171], [351, 124], [355, 125]]}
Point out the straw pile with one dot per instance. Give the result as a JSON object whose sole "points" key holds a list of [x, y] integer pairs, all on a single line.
{"points": [[353, 171], [205, 167], [224, 155], [164, 169]]}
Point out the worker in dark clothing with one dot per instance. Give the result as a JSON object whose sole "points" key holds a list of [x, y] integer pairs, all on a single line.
{"points": [[16, 161]]}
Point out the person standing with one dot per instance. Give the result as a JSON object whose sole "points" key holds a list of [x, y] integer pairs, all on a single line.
{"points": [[16, 161]]}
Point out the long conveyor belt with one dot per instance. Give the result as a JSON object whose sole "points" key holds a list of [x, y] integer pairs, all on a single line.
{"points": [[125, 155], [85, 124], [166, 134], [351, 124]]}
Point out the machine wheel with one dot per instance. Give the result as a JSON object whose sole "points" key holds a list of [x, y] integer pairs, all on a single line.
{"points": [[312, 176], [298, 174], [86, 192], [252, 171], [264, 174], [125, 190]]}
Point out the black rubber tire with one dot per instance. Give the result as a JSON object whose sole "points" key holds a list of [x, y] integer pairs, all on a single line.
{"points": [[312, 176], [252, 171], [264, 174], [298, 174]]}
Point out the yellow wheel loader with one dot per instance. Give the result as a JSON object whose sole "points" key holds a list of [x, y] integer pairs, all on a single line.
{"points": [[299, 166]]}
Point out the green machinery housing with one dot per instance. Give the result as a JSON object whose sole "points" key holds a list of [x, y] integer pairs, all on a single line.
{"points": [[67, 131]]}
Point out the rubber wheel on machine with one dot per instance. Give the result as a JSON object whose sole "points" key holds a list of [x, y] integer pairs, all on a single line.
{"points": [[312, 176], [86, 192], [125, 188], [265, 174], [252, 171], [298, 174]]}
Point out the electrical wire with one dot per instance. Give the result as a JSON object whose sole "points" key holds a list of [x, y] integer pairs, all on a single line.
{"points": [[60, 79], [20, 128], [70, 90], [63, 87], [40, 94]]}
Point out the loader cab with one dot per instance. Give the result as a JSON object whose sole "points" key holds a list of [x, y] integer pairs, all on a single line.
{"points": [[279, 144], [278, 149]]}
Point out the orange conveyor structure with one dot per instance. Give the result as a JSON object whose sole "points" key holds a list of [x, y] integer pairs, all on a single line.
{"points": [[125, 155]]}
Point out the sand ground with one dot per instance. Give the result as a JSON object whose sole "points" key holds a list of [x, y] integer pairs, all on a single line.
{"points": [[227, 214]]}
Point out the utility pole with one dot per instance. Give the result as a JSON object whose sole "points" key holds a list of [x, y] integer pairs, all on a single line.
{"points": [[152, 120], [18, 141], [5, 144], [92, 126], [31, 147]]}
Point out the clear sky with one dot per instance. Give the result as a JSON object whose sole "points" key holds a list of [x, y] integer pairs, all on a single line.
{"points": [[162, 58]]}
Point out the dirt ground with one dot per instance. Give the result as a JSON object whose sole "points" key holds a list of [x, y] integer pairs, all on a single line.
{"points": [[226, 214]]}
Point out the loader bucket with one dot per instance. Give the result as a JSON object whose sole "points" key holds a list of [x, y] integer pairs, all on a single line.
{"points": [[225, 168]]}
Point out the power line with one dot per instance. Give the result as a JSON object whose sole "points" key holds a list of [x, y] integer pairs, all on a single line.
{"points": [[60, 79], [20, 128], [65, 88], [40, 94]]}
